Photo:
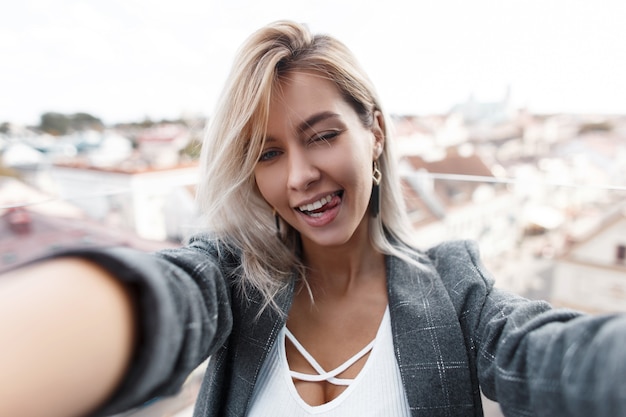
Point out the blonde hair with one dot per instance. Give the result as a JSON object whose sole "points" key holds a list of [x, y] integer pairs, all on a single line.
{"points": [[228, 197]]}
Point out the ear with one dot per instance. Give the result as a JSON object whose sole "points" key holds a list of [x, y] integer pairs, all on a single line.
{"points": [[378, 129]]}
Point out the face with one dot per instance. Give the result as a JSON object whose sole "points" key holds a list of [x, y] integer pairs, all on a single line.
{"points": [[316, 165]]}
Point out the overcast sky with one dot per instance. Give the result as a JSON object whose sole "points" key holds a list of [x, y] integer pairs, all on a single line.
{"points": [[123, 60]]}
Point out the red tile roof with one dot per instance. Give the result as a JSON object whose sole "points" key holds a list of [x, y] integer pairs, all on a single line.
{"points": [[26, 235]]}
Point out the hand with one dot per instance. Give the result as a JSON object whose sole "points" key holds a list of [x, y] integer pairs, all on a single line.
{"points": [[66, 329]]}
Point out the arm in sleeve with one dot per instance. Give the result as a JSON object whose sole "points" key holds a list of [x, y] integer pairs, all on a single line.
{"points": [[182, 309], [539, 361]]}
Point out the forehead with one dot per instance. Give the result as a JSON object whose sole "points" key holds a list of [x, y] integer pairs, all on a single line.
{"points": [[300, 94]]}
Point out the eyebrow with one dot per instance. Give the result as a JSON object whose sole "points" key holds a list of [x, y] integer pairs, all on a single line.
{"points": [[310, 122], [314, 119]]}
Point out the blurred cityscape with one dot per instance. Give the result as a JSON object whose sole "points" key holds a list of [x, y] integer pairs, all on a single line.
{"points": [[543, 194]]}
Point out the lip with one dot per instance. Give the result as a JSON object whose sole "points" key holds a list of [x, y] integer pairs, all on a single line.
{"points": [[326, 216]]}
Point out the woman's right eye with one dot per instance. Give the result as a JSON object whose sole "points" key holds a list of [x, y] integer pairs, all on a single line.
{"points": [[268, 155]]}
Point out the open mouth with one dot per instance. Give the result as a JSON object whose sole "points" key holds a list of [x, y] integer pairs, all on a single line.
{"points": [[317, 208]]}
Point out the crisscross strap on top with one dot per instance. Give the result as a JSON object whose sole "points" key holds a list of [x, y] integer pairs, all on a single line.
{"points": [[328, 376]]}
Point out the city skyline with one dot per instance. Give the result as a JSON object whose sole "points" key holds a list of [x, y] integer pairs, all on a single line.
{"points": [[127, 60]]}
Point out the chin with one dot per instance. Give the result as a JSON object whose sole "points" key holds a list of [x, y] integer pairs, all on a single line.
{"points": [[327, 240]]}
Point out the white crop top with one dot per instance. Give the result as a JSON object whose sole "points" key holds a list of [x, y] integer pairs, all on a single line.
{"points": [[376, 391]]}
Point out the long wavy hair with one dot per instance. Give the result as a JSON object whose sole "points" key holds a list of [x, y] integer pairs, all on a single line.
{"points": [[228, 197]]}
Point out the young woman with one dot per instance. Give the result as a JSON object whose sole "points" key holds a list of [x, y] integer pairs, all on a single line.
{"points": [[308, 294]]}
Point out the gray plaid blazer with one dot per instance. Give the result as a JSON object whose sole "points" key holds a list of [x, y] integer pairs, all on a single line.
{"points": [[454, 333]]}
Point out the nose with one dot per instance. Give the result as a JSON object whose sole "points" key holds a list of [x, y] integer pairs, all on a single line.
{"points": [[303, 171]]}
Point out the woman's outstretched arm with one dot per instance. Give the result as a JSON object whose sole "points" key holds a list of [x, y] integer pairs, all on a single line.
{"points": [[66, 338]]}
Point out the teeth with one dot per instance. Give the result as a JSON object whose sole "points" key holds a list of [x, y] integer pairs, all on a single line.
{"points": [[316, 205]]}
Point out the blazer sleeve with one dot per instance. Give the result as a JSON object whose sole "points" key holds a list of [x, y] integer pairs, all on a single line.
{"points": [[183, 314], [538, 361]]}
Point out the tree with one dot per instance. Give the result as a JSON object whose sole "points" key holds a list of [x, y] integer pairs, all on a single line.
{"points": [[85, 121], [60, 124], [56, 124]]}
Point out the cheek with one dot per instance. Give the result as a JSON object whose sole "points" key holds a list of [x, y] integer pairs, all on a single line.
{"points": [[261, 185], [365, 182], [361, 171], [268, 186], [365, 185]]}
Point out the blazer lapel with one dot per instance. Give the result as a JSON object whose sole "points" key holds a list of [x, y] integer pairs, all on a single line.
{"points": [[428, 342], [253, 339]]}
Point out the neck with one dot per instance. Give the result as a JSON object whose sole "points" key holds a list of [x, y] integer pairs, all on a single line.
{"points": [[339, 270]]}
